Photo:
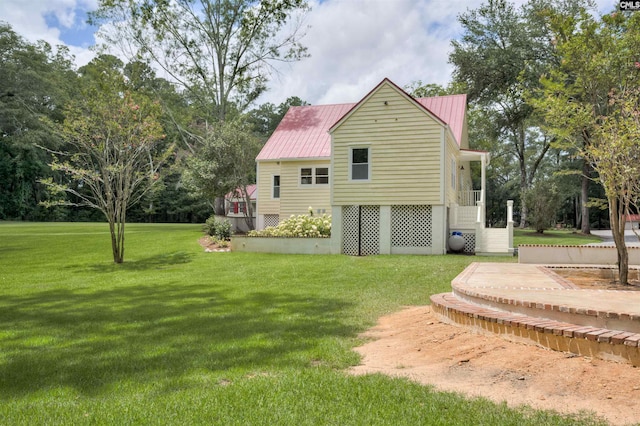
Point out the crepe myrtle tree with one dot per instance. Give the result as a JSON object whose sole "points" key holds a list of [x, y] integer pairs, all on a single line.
{"points": [[113, 156], [615, 154]]}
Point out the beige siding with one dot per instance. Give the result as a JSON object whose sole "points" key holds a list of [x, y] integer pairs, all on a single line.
{"points": [[452, 152], [266, 203], [464, 142], [404, 157], [296, 198]]}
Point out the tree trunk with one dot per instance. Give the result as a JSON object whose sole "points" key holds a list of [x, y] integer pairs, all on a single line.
{"points": [[585, 226], [524, 181], [218, 206], [617, 219]]}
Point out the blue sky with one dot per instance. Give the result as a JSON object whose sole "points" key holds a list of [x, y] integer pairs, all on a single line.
{"points": [[78, 34], [354, 44]]}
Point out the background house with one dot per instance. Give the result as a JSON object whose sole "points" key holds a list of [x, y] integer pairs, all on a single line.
{"points": [[241, 216], [394, 172]]}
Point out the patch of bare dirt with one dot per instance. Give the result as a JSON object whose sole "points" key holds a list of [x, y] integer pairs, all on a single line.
{"points": [[414, 343], [599, 279]]}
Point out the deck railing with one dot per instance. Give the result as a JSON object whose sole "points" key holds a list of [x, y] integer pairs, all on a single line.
{"points": [[469, 198]]}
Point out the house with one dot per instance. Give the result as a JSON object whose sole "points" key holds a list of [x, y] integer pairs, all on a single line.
{"points": [[393, 171], [241, 216], [632, 221]]}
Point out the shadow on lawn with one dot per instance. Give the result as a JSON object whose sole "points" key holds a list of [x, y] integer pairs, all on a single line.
{"points": [[157, 262], [145, 334]]}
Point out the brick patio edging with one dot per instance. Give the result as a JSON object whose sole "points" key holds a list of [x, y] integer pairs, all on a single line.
{"points": [[561, 336], [584, 317]]}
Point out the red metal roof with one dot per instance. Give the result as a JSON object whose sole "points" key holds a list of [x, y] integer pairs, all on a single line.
{"points": [[633, 218], [251, 189], [450, 109], [303, 132]]}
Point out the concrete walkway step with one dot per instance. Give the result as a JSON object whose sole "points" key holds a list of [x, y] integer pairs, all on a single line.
{"points": [[485, 299]]}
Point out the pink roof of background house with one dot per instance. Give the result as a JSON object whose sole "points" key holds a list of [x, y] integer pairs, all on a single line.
{"points": [[251, 189], [303, 131]]}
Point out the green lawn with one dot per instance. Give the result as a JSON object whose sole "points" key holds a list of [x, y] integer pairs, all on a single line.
{"points": [[554, 237], [178, 336]]}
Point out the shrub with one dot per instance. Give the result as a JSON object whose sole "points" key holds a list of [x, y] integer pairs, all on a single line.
{"points": [[220, 229], [305, 226], [543, 201]]}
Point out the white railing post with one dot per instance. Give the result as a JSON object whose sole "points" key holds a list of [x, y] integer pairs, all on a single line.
{"points": [[510, 225], [480, 216]]}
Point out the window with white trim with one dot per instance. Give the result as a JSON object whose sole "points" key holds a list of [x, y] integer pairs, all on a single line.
{"points": [[359, 163], [276, 186], [322, 175], [311, 175]]}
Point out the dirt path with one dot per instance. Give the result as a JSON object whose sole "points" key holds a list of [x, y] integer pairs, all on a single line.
{"points": [[413, 343]]}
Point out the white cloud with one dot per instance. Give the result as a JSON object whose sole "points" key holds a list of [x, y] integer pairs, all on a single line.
{"points": [[27, 18], [354, 44]]}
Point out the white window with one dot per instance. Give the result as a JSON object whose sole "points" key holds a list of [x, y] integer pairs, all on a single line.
{"points": [[317, 175], [276, 186], [359, 163], [322, 175], [306, 176]]}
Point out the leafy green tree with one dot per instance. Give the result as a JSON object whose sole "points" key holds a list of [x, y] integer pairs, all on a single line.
{"points": [[266, 117], [543, 200], [614, 153], [587, 92], [225, 162], [418, 89], [576, 77], [499, 58], [220, 51], [35, 82], [113, 135]]}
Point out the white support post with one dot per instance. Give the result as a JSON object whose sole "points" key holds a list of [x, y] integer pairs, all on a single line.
{"points": [[483, 178], [510, 224], [480, 216]]}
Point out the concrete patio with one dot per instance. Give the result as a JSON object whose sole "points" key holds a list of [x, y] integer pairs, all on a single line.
{"points": [[531, 303]]}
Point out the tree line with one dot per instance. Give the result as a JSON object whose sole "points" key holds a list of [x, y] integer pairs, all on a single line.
{"points": [[552, 89], [51, 113]]}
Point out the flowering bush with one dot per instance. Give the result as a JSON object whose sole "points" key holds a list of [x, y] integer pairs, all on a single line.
{"points": [[308, 226]]}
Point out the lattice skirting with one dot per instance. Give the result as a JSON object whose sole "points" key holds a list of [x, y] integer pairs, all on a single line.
{"points": [[361, 230], [271, 220], [469, 242], [411, 226]]}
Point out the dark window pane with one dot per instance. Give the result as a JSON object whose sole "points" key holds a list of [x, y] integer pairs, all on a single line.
{"points": [[276, 187], [322, 175], [360, 155], [360, 171]]}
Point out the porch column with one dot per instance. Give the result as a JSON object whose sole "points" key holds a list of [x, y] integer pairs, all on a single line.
{"points": [[483, 178]]}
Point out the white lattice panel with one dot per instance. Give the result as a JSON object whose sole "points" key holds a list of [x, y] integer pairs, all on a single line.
{"points": [[469, 243], [271, 220], [369, 230], [360, 230], [350, 230], [411, 226]]}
